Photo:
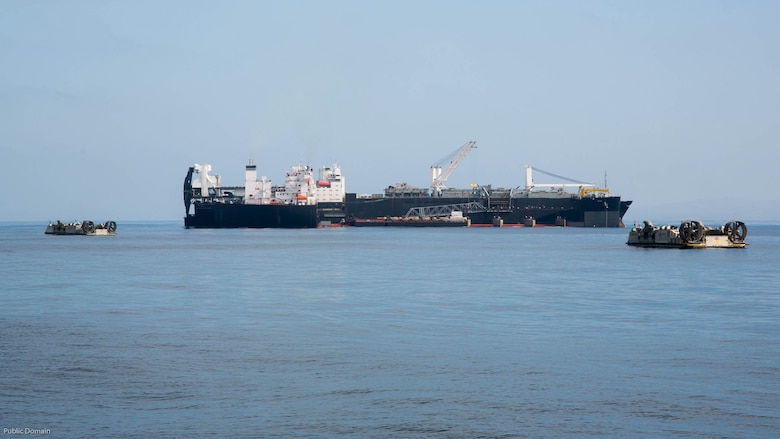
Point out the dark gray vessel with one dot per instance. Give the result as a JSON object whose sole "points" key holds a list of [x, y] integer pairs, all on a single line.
{"points": [[305, 202]]}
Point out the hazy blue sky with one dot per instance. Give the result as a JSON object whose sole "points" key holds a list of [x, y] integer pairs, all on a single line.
{"points": [[105, 104]]}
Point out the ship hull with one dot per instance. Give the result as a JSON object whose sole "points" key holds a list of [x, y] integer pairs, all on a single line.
{"points": [[599, 212], [569, 211], [221, 215]]}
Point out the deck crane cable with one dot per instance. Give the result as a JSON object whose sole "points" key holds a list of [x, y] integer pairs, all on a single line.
{"points": [[451, 156], [559, 176]]}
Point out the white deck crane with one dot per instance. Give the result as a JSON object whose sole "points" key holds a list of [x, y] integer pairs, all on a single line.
{"points": [[439, 176], [529, 180], [585, 188]]}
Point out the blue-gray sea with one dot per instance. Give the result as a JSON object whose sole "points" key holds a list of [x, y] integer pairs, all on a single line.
{"points": [[166, 332]]}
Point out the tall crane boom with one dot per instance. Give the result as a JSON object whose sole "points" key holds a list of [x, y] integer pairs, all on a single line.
{"points": [[439, 176]]}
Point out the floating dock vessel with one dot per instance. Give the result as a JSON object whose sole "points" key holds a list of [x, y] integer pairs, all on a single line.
{"points": [[573, 204], [690, 234], [87, 228], [304, 201]]}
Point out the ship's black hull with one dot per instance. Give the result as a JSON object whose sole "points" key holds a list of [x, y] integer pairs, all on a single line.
{"points": [[223, 215], [571, 211]]}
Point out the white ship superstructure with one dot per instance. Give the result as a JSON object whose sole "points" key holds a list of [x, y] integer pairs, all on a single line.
{"points": [[256, 191], [205, 182], [330, 186], [298, 187]]}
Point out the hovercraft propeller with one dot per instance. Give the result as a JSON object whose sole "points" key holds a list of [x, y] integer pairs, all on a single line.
{"points": [[736, 231], [691, 231]]}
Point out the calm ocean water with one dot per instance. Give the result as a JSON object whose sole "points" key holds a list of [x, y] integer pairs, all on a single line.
{"points": [[386, 333]]}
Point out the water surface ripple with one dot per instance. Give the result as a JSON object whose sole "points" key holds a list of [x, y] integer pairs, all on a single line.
{"points": [[386, 333]]}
